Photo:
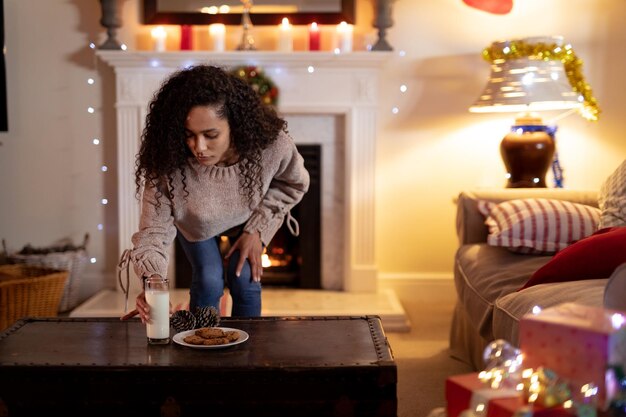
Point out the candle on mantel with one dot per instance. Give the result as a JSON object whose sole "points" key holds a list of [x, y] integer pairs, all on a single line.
{"points": [[285, 41], [344, 37], [185, 38], [158, 38], [314, 37], [218, 34]]}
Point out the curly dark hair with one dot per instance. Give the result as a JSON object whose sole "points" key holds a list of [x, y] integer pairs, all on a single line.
{"points": [[163, 150]]}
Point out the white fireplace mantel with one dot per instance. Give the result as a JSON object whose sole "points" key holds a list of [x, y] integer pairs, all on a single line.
{"points": [[310, 83]]}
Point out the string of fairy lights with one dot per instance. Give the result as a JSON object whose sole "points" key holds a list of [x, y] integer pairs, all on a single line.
{"points": [[395, 109], [92, 110], [95, 140]]}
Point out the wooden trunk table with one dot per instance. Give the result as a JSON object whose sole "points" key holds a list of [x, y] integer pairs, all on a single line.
{"points": [[290, 366]]}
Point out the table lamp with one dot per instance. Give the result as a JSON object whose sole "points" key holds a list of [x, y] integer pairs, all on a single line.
{"points": [[528, 76]]}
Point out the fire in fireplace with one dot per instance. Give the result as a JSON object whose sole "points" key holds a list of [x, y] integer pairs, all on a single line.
{"points": [[288, 261]]}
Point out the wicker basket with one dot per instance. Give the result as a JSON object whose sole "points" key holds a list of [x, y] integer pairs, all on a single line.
{"points": [[72, 261], [28, 291]]}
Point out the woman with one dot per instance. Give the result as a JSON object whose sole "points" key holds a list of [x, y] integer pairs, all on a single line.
{"points": [[213, 161]]}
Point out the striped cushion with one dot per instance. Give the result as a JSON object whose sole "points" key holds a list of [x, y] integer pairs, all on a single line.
{"points": [[612, 199], [537, 225]]}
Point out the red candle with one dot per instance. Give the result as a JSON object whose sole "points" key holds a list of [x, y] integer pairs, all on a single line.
{"points": [[185, 38], [314, 37]]}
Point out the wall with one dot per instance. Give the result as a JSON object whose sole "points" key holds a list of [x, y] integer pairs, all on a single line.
{"points": [[433, 148], [50, 171]]}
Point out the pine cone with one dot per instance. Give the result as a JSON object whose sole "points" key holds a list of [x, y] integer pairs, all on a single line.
{"points": [[182, 320], [206, 317]]}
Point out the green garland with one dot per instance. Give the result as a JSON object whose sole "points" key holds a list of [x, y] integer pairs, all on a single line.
{"points": [[259, 82], [549, 51]]}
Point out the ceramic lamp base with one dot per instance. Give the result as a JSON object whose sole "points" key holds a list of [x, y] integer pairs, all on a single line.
{"points": [[527, 157]]}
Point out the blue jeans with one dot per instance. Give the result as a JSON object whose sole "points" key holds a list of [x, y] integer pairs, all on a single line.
{"points": [[207, 280]]}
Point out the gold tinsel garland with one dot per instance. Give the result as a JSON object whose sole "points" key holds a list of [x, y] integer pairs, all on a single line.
{"points": [[549, 51]]}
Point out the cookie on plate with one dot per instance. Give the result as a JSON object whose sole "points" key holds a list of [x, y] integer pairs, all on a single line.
{"points": [[210, 332], [194, 340], [216, 341], [231, 335]]}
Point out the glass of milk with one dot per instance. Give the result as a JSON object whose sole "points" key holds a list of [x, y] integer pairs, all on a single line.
{"points": [[158, 298]]}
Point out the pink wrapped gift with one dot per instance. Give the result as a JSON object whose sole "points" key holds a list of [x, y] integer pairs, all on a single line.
{"points": [[575, 341]]}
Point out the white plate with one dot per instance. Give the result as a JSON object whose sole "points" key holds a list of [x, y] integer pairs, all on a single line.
{"points": [[178, 338]]}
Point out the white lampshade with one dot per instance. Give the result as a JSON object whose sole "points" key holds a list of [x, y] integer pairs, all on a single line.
{"points": [[527, 83]]}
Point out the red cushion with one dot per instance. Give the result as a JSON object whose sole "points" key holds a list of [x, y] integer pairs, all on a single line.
{"points": [[595, 256]]}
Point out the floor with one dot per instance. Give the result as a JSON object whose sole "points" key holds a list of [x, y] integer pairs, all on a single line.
{"points": [[422, 354], [278, 302]]}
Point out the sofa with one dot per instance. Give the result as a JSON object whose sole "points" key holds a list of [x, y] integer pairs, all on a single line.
{"points": [[488, 278]]}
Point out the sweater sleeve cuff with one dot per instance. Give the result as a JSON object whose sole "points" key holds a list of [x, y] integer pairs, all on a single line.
{"points": [[146, 266], [266, 227]]}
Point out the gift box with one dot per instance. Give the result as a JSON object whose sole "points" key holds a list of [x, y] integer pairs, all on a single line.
{"points": [[467, 391], [577, 342]]}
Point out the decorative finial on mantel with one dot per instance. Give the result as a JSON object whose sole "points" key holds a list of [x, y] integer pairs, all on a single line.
{"points": [[382, 22], [111, 21], [247, 41]]}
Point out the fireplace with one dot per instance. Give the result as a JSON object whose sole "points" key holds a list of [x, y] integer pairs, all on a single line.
{"points": [[340, 87], [294, 261], [288, 261]]}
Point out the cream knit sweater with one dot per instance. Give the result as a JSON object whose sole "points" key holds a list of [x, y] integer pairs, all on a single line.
{"points": [[216, 204]]}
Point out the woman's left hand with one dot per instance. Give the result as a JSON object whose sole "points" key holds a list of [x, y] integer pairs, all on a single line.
{"points": [[251, 248]]}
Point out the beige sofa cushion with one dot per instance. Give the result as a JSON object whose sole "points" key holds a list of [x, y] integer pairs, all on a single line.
{"points": [[510, 308], [485, 273]]}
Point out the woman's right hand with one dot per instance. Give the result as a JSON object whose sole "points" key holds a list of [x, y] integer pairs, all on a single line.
{"points": [[142, 307]]}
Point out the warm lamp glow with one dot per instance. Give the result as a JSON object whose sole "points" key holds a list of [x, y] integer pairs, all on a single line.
{"points": [[529, 83], [521, 108], [533, 75]]}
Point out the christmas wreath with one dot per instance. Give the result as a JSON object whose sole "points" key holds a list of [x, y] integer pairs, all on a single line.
{"points": [[259, 82]]}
